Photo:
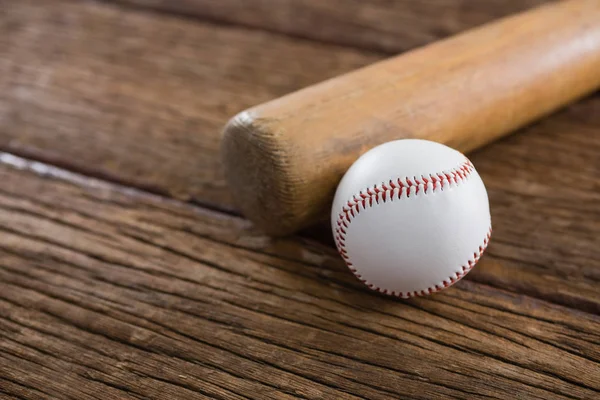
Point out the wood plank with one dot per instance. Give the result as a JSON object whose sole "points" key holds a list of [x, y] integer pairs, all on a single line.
{"points": [[107, 292], [390, 26], [141, 98]]}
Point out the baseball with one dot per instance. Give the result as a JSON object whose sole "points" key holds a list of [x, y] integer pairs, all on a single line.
{"points": [[411, 217]]}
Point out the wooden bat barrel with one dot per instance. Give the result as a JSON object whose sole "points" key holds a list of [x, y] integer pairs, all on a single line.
{"points": [[283, 159]]}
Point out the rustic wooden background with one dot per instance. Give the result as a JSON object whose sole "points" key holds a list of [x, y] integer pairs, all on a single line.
{"points": [[126, 272]]}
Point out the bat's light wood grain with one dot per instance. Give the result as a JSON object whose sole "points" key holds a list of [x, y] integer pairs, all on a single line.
{"points": [[110, 293], [387, 25], [285, 158]]}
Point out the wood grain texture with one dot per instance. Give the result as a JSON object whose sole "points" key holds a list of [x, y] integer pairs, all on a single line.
{"points": [[106, 292], [386, 25], [141, 98], [544, 189], [286, 157]]}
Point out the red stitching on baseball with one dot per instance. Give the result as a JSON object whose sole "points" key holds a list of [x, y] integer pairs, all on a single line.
{"points": [[439, 181]]}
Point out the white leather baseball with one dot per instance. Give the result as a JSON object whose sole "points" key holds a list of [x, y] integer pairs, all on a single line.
{"points": [[411, 217]]}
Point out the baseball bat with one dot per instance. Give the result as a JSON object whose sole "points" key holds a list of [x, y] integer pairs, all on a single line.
{"points": [[284, 158]]}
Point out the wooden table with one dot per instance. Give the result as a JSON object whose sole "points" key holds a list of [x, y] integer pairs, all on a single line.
{"points": [[126, 273]]}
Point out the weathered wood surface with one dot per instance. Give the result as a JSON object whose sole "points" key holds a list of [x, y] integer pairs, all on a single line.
{"points": [[138, 98], [109, 293], [141, 98], [385, 25]]}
